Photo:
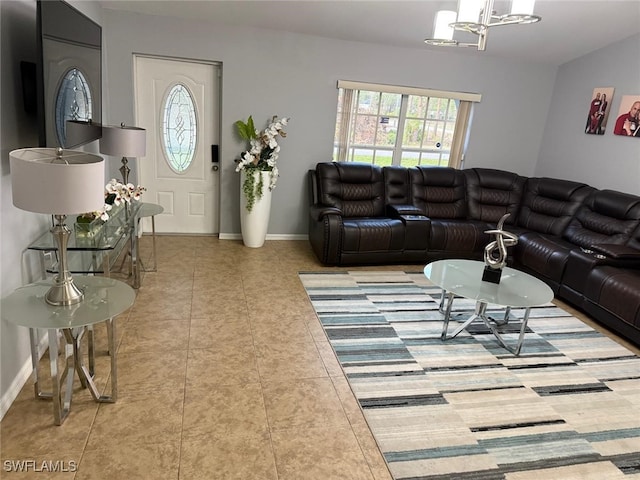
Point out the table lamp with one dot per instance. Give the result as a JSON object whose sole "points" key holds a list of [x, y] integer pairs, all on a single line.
{"points": [[58, 182], [80, 132], [124, 141]]}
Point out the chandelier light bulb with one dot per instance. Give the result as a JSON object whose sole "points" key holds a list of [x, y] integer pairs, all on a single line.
{"points": [[441, 29], [469, 10], [522, 7]]}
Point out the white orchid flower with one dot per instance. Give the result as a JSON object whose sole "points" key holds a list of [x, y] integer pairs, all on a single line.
{"points": [[263, 150]]}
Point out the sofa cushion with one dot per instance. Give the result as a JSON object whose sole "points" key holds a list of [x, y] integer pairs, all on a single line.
{"points": [[493, 193], [548, 204], [357, 189], [396, 180], [458, 238], [543, 255], [372, 235], [634, 239], [616, 290], [605, 217], [439, 192]]}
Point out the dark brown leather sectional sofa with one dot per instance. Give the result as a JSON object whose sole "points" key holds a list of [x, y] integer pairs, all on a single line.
{"points": [[583, 242]]}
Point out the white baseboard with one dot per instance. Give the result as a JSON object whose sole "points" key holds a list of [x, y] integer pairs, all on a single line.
{"points": [[230, 236], [288, 236], [275, 236], [20, 379]]}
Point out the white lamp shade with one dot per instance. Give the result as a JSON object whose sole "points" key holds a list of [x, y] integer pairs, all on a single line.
{"points": [[66, 184], [522, 7], [441, 28], [123, 141], [469, 10]]}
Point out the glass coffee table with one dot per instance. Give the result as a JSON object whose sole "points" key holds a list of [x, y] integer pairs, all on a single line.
{"points": [[464, 279]]}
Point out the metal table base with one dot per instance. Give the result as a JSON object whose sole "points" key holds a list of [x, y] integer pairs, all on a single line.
{"points": [[62, 379], [480, 313]]}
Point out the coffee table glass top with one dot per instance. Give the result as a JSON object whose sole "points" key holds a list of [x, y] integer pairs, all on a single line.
{"points": [[464, 278]]}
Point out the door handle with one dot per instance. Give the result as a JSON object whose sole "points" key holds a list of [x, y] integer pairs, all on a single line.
{"points": [[215, 168]]}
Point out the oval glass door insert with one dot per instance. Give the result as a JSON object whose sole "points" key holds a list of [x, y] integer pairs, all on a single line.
{"points": [[73, 102], [179, 132]]}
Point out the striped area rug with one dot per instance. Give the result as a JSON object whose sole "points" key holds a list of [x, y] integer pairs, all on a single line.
{"points": [[567, 408]]}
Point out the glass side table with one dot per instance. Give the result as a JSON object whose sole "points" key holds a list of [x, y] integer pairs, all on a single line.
{"points": [[149, 210], [464, 278], [105, 298]]}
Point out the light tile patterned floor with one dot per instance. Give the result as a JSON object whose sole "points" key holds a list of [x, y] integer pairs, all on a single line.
{"points": [[224, 373]]}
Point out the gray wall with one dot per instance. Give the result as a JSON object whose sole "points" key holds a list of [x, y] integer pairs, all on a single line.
{"points": [[267, 73], [604, 161], [17, 228]]}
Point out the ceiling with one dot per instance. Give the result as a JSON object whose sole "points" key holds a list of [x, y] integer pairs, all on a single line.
{"points": [[568, 30]]}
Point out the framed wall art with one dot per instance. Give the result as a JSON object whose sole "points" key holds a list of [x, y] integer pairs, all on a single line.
{"points": [[628, 119], [599, 109]]}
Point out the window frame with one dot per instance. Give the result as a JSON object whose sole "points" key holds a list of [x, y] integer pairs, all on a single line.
{"points": [[343, 137], [166, 128]]}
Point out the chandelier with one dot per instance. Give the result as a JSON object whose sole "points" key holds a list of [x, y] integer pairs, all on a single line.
{"points": [[476, 16]]}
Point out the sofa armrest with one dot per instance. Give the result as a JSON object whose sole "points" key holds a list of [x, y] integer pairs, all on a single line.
{"points": [[616, 252], [615, 255], [319, 211], [400, 210]]}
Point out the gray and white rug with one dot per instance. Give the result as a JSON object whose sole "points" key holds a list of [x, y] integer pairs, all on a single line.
{"points": [[567, 408]]}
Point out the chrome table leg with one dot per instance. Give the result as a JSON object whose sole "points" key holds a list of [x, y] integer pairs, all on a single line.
{"points": [[518, 346], [480, 307]]}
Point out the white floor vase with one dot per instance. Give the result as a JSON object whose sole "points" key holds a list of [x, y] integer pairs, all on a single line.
{"points": [[254, 224]]}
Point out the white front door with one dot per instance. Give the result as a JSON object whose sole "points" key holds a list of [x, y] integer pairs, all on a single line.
{"points": [[177, 102]]}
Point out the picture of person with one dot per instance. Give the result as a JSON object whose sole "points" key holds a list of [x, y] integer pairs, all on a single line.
{"points": [[600, 114], [628, 122], [599, 111], [595, 105]]}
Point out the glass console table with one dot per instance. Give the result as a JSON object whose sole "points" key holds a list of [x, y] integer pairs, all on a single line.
{"points": [[104, 299], [464, 278], [96, 252], [150, 210]]}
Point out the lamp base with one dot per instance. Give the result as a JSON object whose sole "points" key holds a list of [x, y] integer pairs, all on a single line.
{"points": [[491, 275], [124, 170], [64, 293]]}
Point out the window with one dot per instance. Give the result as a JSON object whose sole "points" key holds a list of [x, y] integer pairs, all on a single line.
{"points": [[179, 128], [388, 125]]}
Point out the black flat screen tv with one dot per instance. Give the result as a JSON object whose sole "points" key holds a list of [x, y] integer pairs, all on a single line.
{"points": [[68, 74]]}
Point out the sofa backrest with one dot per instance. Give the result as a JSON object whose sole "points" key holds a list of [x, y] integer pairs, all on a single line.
{"points": [[357, 189], [548, 204], [439, 192], [634, 238], [493, 193], [396, 181], [605, 217]]}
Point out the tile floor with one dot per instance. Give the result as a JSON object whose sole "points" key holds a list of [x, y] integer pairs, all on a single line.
{"points": [[224, 373]]}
